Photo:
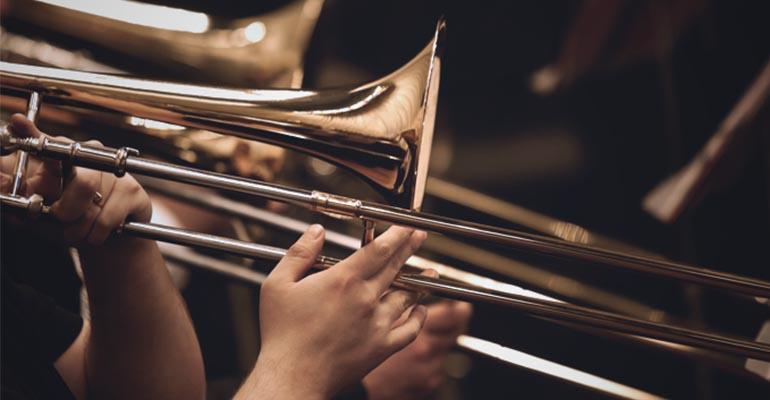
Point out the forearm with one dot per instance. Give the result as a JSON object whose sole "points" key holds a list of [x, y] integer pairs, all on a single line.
{"points": [[142, 341], [269, 380]]}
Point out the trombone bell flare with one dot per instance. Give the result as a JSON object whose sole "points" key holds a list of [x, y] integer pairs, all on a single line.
{"points": [[381, 130]]}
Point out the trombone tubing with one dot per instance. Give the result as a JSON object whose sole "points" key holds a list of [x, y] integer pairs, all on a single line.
{"points": [[468, 343], [220, 204], [448, 289], [124, 159]]}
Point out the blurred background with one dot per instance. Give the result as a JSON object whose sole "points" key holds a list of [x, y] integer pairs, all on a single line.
{"points": [[572, 109]]}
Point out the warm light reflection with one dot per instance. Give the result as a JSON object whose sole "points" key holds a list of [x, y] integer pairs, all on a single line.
{"points": [[154, 16], [220, 95], [479, 281], [255, 32], [550, 368], [152, 124]]}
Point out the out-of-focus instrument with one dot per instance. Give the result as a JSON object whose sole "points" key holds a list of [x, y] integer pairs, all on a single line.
{"points": [[246, 51], [670, 199]]}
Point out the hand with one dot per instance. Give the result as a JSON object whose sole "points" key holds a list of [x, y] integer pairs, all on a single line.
{"points": [[82, 216], [326, 331], [417, 370]]}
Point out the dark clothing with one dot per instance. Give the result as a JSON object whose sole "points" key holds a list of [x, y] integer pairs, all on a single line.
{"points": [[36, 328], [35, 332]]}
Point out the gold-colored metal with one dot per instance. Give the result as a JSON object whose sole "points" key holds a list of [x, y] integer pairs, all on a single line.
{"points": [[247, 51], [382, 130], [536, 306]]}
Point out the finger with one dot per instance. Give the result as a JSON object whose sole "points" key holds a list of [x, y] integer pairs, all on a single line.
{"points": [[436, 345], [115, 210], [419, 296], [400, 336], [448, 317], [301, 255], [385, 276], [22, 127], [374, 256], [394, 303], [78, 195]]}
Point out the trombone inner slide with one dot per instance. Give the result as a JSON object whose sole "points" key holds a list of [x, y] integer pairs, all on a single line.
{"points": [[444, 288], [122, 160]]}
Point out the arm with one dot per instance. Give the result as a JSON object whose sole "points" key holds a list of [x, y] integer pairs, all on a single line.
{"points": [[140, 342]]}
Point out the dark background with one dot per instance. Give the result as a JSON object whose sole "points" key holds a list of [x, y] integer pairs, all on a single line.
{"points": [[586, 153]]}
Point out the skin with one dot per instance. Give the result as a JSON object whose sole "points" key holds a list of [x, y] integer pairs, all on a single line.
{"points": [[417, 371], [353, 333], [140, 342], [326, 331]]}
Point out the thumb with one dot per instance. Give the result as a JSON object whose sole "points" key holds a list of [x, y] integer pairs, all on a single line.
{"points": [[23, 127], [300, 256]]}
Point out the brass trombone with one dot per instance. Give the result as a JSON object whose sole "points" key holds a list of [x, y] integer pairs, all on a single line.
{"points": [[120, 161], [381, 130], [246, 51]]}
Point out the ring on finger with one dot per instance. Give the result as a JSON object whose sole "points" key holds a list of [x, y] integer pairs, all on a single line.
{"points": [[98, 197]]}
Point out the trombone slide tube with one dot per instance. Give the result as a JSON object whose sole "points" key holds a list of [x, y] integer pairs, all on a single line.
{"points": [[468, 343], [458, 291], [122, 160]]}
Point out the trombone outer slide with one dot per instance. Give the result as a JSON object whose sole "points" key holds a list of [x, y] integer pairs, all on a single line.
{"points": [[125, 159], [444, 288]]}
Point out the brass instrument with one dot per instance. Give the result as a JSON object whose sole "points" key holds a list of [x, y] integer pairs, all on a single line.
{"points": [[266, 48], [381, 130], [120, 161], [468, 343]]}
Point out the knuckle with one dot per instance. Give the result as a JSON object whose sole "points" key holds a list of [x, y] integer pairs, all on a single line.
{"points": [[102, 225], [87, 180], [381, 325], [349, 283], [299, 250], [412, 334], [383, 249]]}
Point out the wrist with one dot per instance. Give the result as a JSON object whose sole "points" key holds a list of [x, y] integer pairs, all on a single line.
{"points": [[273, 378]]}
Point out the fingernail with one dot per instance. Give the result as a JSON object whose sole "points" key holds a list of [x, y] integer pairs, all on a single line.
{"points": [[315, 230]]}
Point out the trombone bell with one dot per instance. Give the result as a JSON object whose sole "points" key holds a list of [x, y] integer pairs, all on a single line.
{"points": [[381, 130]]}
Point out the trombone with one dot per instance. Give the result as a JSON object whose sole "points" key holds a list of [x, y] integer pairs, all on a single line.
{"points": [[381, 130], [123, 160], [268, 48]]}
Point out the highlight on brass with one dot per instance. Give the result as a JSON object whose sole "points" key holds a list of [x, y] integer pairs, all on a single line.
{"points": [[589, 179]]}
